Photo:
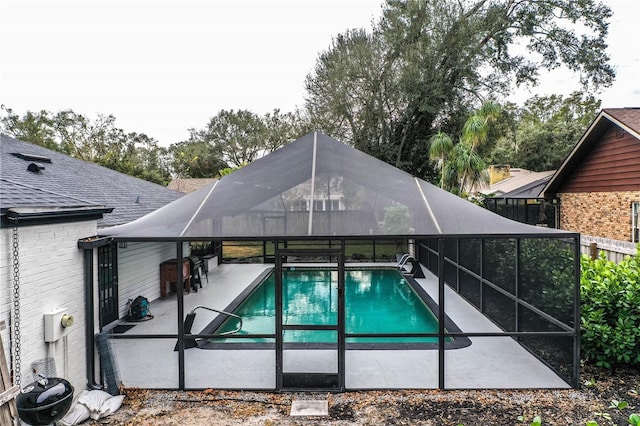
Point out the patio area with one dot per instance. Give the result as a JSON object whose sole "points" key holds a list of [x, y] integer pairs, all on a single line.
{"points": [[489, 362]]}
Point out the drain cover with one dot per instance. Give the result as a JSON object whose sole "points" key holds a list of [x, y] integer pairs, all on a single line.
{"points": [[309, 408]]}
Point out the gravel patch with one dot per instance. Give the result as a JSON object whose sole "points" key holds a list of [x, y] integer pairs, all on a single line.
{"points": [[592, 402]]}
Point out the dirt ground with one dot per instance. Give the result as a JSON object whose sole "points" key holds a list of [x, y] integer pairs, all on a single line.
{"points": [[607, 397]]}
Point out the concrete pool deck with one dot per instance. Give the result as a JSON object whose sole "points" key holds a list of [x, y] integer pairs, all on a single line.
{"points": [[489, 362]]}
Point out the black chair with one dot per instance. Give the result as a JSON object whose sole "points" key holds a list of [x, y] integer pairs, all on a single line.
{"points": [[196, 266]]}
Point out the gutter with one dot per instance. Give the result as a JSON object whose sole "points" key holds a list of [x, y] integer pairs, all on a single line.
{"points": [[46, 215]]}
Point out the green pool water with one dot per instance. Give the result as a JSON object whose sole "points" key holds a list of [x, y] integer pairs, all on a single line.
{"points": [[377, 301]]}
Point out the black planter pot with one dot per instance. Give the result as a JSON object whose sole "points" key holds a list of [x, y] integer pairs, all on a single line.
{"points": [[44, 401]]}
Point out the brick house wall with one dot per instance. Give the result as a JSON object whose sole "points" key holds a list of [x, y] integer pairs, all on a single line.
{"points": [[604, 214]]}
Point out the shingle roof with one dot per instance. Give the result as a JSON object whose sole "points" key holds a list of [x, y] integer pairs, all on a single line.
{"points": [[520, 178], [15, 194], [629, 117], [67, 181], [530, 190], [186, 186]]}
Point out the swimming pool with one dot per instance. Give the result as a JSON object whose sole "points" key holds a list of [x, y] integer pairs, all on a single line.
{"points": [[377, 301]]}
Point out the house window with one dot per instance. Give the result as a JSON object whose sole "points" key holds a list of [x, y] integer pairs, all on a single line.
{"points": [[635, 225], [108, 284], [334, 204], [300, 206]]}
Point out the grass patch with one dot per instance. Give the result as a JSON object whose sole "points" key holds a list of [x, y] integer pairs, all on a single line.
{"points": [[354, 250]]}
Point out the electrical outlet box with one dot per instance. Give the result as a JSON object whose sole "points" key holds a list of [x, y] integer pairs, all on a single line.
{"points": [[56, 324]]}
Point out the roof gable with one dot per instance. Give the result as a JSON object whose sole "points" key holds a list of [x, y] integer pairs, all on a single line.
{"points": [[624, 123], [59, 180]]}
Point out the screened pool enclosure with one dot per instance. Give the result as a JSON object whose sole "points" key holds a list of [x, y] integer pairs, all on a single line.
{"points": [[507, 289]]}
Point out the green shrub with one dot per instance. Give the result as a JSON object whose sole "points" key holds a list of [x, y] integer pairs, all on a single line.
{"points": [[547, 277], [396, 219], [610, 313]]}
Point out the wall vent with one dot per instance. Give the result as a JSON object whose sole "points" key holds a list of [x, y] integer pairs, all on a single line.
{"points": [[35, 168]]}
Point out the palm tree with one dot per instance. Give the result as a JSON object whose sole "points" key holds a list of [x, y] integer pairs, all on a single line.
{"points": [[471, 168], [468, 166], [476, 129], [461, 163], [440, 148]]}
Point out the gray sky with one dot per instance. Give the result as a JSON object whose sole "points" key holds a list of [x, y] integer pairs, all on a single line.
{"points": [[162, 67]]}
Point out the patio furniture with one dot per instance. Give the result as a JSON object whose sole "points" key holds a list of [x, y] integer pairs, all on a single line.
{"points": [[196, 266], [169, 276]]}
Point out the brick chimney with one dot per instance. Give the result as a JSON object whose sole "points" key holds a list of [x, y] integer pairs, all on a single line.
{"points": [[499, 173]]}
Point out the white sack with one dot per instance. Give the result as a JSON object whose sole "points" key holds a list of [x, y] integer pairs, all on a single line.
{"points": [[95, 404]]}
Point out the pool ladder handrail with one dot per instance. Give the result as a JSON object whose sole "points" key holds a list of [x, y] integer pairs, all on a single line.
{"points": [[225, 333], [403, 261]]}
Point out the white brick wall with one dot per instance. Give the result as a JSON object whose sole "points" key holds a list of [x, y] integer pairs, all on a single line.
{"points": [[139, 270], [6, 286], [51, 276]]}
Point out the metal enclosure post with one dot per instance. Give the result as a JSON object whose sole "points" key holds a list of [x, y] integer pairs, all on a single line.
{"points": [[481, 272], [517, 283], [341, 318], [457, 240], [179, 292], [481, 283], [441, 313], [278, 295], [576, 313]]}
